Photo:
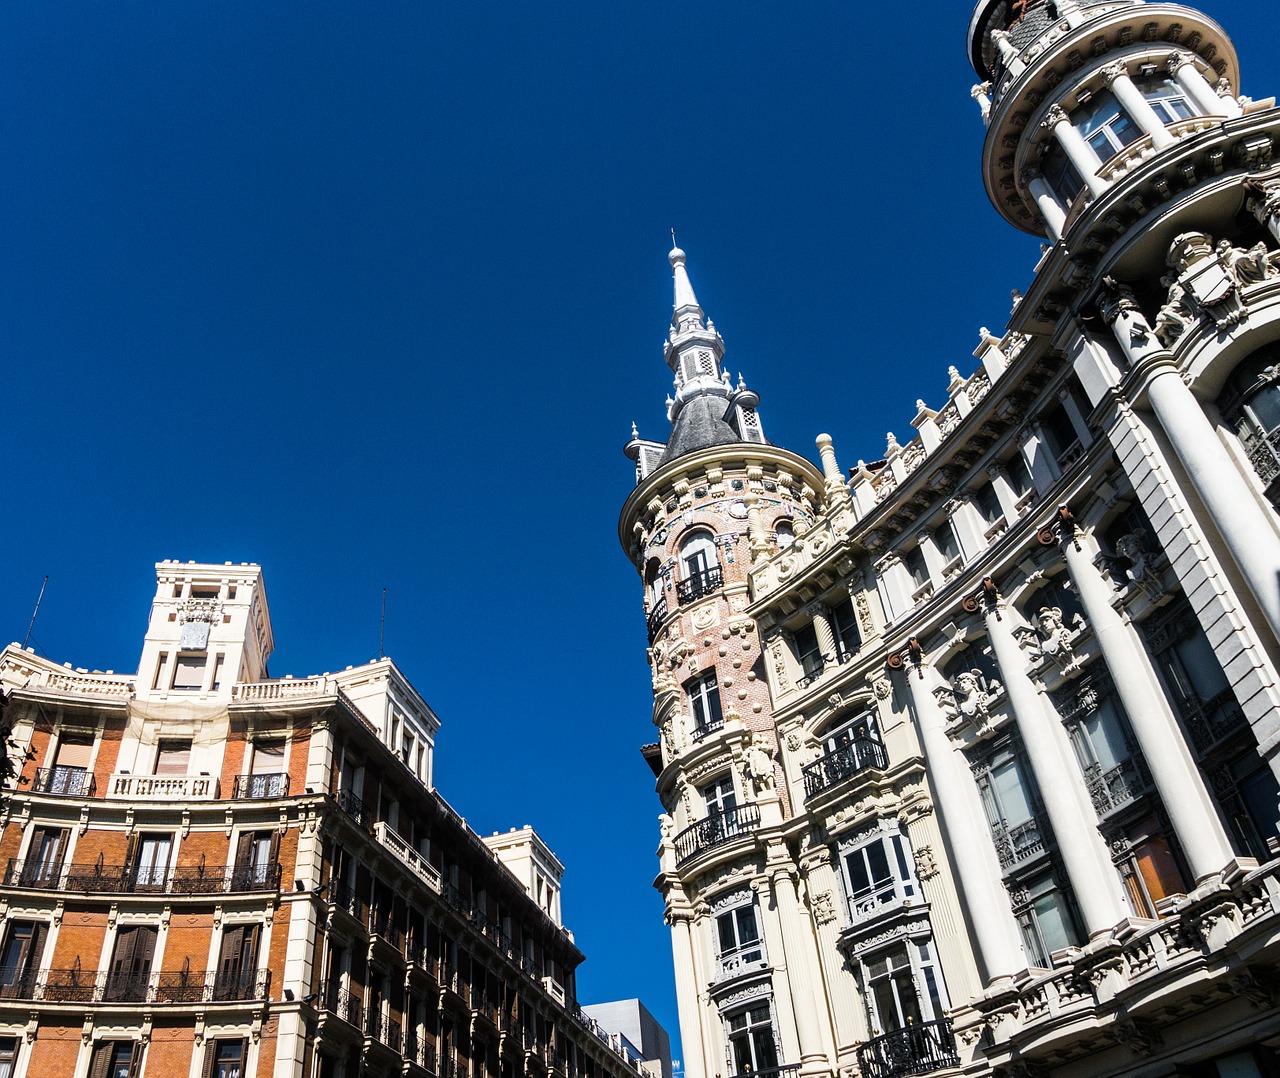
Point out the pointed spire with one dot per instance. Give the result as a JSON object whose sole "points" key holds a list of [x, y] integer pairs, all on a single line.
{"points": [[686, 303]]}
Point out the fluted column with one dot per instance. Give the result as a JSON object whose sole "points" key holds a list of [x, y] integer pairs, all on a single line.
{"points": [[1055, 217], [687, 994], [1187, 77], [1136, 105], [973, 856], [1066, 800], [1230, 500], [795, 924], [1078, 152], [1182, 790]]}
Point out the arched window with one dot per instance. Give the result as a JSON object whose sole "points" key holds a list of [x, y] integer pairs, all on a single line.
{"points": [[785, 533], [1251, 404], [699, 568]]}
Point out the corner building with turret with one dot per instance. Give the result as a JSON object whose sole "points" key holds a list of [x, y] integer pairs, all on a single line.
{"points": [[968, 758]]}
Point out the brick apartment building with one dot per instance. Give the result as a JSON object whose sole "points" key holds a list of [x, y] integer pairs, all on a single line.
{"points": [[215, 874]]}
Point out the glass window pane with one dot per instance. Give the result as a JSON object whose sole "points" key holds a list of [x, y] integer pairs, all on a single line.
{"points": [[1013, 802], [1051, 916]]}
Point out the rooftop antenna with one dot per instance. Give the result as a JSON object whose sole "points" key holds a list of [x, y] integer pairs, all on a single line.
{"points": [[382, 632], [39, 600]]}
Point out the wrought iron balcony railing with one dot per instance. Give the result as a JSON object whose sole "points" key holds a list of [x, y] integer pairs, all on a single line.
{"points": [[863, 752], [715, 829], [917, 1048], [345, 1004], [696, 585], [64, 782], [98, 878], [261, 786], [43, 874], [355, 808], [655, 617], [704, 729], [172, 987]]}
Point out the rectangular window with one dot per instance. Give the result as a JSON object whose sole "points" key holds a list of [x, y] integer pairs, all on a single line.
{"points": [[188, 670], [877, 874], [160, 665], [738, 939], [173, 757], [1046, 919], [751, 1040], [256, 860], [844, 626], [225, 1058], [1007, 799], [987, 504], [1061, 432], [115, 1059], [944, 538], [1164, 96], [20, 959], [43, 864], [267, 777], [130, 969], [69, 776], [8, 1056], [1105, 125], [149, 861], [808, 652], [913, 559], [218, 663], [704, 702], [238, 962]]}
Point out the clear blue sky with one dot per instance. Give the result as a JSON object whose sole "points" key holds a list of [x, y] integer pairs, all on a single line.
{"points": [[371, 294]]}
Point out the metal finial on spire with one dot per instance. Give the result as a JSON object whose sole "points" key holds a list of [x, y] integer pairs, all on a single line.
{"points": [[673, 238]]}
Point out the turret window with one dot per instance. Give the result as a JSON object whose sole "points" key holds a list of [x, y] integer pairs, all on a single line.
{"points": [[1165, 97], [700, 569], [1105, 125], [704, 703]]}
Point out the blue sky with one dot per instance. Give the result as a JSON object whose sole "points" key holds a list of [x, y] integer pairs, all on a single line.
{"points": [[371, 294]]}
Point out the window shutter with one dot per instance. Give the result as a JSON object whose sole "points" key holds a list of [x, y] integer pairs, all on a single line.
{"points": [[210, 1058], [36, 949], [131, 853], [135, 1060], [243, 846], [229, 957], [275, 847], [101, 1064], [145, 949], [243, 1070]]}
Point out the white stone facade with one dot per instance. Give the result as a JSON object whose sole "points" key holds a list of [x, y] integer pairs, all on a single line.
{"points": [[970, 760]]}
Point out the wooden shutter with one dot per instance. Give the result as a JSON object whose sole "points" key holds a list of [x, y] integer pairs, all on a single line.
{"points": [[131, 854], [135, 1060], [100, 1067], [243, 847], [210, 1058], [229, 958], [35, 950]]}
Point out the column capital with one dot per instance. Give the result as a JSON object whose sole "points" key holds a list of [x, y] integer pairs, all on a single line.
{"points": [[1177, 61], [1054, 116], [1115, 70], [1115, 299]]}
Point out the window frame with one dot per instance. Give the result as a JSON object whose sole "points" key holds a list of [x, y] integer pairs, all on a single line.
{"points": [[898, 885]]}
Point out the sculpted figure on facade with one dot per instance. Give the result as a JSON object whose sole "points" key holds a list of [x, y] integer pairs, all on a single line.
{"points": [[757, 764], [1175, 316], [1141, 572], [1051, 638], [1249, 266]]}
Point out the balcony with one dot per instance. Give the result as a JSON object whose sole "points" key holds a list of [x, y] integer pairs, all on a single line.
{"points": [[717, 829], [202, 787], [355, 808], [98, 878], [919, 1048], [705, 729], [345, 1004], [1121, 785], [858, 755], [64, 782], [171, 987], [406, 854], [654, 618], [1017, 843], [258, 787], [741, 961], [699, 584]]}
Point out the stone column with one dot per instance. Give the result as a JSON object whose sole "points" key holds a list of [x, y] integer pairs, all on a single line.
{"points": [[1078, 152], [825, 634], [833, 480], [1231, 501], [973, 856], [1066, 800], [795, 925], [1187, 77], [687, 994], [1136, 105], [1191, 809], [1055, 217]]}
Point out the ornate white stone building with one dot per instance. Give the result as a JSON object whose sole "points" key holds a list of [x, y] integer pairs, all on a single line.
{"points": [[968, 760]]}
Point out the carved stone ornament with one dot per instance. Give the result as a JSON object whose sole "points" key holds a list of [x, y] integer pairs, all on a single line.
{"points": [[757, 764], [926, 864], [824, 910], [882, 687], [1202, 284], [1052, 640], [971, 700], [1141, 572]]}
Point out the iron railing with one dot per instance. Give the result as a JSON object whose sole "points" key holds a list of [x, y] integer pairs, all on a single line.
{"points": [[1116, 787], [917, 1048], [861, 753], [696, 585], [260, 786], [33, 873], [355, 808], [98, 878], [172, 987], [786, 1070], [64, 782], [344, 1003], [702, 729], [715, 829], [655, 617]]}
